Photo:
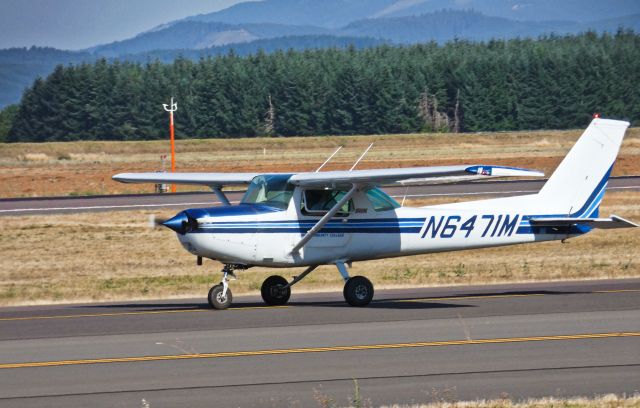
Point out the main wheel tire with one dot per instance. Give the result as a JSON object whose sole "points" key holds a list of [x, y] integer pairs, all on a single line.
{"points": [[272, 291], [358, 291], [216, 300]]}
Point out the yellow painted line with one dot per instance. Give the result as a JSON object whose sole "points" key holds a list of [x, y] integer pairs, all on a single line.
{"points": [[316, 350], [240, 308], [616, 291]]}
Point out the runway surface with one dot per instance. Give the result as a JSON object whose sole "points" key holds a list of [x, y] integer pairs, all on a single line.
{"points": [[524, 340], [51, 205]]}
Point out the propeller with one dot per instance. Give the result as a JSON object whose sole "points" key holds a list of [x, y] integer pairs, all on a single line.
{"points": [[156, 221]]}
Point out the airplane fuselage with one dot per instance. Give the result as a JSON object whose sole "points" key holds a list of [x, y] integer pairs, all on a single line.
{"points": [[253, 234]]}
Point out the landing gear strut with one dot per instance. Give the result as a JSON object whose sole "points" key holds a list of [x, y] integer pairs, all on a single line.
{"points": [[358, 290], [276, 291]]}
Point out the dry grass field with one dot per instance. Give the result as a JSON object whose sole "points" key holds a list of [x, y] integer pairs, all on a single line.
{"points": [[607, 401], [116, 255], [82, 168]]}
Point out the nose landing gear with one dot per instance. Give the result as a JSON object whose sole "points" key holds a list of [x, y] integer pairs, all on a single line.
{"points": [[220, 296]]}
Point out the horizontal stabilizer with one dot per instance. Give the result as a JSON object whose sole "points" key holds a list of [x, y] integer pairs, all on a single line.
{"points": [[604, 223]]}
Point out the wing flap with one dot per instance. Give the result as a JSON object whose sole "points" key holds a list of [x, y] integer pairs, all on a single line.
{"points": [[603, 223]]}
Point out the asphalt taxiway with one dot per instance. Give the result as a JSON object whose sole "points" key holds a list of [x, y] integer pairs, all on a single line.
{"points": [[409, 345]]}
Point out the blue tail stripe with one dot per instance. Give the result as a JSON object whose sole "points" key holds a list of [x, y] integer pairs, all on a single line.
{"points": [[590, 204]]}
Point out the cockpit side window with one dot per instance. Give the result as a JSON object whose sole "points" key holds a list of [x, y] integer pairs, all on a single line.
{"points": [[320, 202], [380, 201], [273, 190]]}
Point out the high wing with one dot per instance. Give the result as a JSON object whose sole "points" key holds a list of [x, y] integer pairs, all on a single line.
{"points": [[202, 179], [427, 175]]}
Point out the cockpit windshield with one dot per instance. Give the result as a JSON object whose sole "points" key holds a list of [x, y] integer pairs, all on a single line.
{"points": [[273, 190]]}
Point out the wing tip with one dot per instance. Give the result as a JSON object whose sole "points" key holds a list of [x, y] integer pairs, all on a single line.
{"points": [[503, 171], [629, 224], [121, 177]]}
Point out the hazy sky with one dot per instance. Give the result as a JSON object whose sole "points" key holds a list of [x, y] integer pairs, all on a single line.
{"points": [[77, 24]]}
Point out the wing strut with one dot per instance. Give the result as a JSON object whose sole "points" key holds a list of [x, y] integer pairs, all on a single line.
{"points": [[325, 219], [221, 196]]}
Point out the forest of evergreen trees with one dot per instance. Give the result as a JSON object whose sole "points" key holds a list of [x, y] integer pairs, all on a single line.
{"points": [[552, 82]]}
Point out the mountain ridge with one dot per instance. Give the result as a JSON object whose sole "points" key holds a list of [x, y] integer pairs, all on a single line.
{"points": [[386, 22], [323, 14], [439, 26], [200, 35], [446, 25]]}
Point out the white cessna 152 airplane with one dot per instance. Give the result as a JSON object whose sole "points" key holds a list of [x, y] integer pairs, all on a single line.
{"points": [[338, 217]]}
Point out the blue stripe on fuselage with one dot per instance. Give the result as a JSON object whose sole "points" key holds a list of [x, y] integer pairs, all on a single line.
{"points": [[373, 226]]}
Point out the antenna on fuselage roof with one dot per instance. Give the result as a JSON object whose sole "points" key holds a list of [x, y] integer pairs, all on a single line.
{"points": [[330, 157], [360, 158]]}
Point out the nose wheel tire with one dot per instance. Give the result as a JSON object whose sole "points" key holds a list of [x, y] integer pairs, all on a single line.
{"points": [[358, 291], [273, 291], [217, 300]]}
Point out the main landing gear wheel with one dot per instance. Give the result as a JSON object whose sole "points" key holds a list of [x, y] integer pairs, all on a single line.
{"points": [[274, 292], [217, 300], [358, 291]]}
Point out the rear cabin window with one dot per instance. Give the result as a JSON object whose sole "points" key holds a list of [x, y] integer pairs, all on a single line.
{"points": [[380, 201], [320, 202]]}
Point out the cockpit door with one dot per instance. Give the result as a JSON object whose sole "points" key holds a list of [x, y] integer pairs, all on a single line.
{"points": [[314, 204]]}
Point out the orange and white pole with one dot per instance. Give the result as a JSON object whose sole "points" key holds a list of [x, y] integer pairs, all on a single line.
{"points": [[172, 108]]}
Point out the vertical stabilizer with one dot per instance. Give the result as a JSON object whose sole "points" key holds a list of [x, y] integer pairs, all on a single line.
{"points": [[577, 186]]}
